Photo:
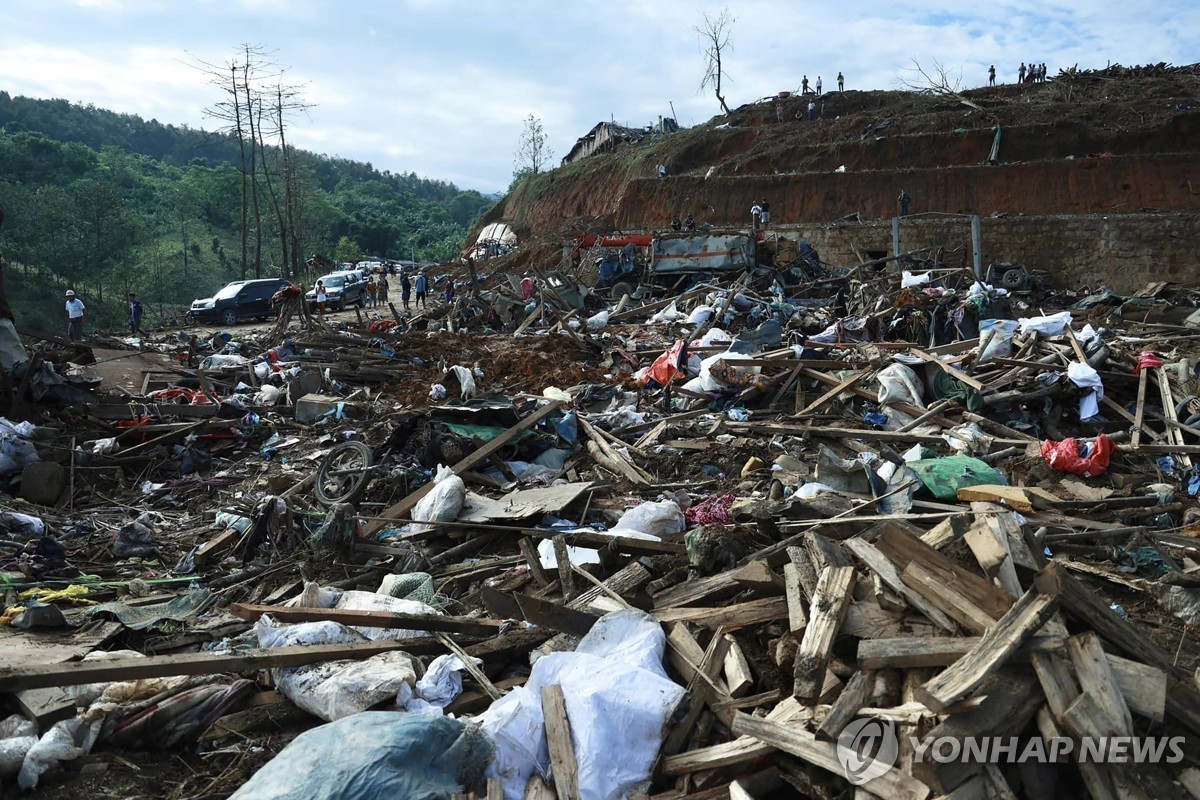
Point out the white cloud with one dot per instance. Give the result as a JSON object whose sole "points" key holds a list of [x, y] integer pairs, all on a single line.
{"points": [[441, 87]]}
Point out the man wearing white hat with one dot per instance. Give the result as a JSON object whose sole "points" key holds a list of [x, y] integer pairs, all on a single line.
{"points": [[75, 309]]}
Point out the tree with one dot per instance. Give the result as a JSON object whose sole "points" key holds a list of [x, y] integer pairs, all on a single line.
{"points": [[714, 40], [347, 250], [939, 84], [533, 152]]}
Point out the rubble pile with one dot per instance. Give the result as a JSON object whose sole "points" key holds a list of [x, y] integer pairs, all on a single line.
{"points": [[799, 531]]}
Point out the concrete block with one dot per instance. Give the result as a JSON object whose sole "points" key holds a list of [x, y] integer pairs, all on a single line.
{"points": [[302, 384], [310, 407], [42, 482]]}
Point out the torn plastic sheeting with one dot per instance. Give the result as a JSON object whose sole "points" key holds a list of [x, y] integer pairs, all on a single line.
{"points": [[909, 279], [618, 698], [666, 367], [1083, 376], [1088, 459], [371, 601], [15, 448], [943, 477], [65, 741], [377, 754], [17, 736], [586, 555]]}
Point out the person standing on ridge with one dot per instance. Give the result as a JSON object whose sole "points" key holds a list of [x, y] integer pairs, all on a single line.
{"points": [[841, 82], [818, 86], [992, 75], [421, 285], [756, 214], [904, 199], [812, 109], [75, 311], [135, 315], [1021, 73], [766, 212], [804, 85]]}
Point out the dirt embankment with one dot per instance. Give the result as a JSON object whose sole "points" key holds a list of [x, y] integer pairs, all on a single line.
{"points": [[1089, 144]]}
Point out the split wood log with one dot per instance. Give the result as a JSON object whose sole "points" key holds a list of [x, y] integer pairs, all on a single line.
{"points": [[830, 601], [563, 766], [966, 675]]}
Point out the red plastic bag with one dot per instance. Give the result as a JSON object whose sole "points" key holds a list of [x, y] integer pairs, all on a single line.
{"points": [[1064, 456], [666, 367]]}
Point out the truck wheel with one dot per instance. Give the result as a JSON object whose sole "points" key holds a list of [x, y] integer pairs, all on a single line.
{"points": [[1013, 279], [362, 302], [229, 318], [621, 289]]}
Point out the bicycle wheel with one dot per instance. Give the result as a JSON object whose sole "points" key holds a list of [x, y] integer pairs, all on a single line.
{"points": [[343, 474]]}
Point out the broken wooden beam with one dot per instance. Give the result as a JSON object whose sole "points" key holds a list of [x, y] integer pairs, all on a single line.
{"points": [[827, 610]]}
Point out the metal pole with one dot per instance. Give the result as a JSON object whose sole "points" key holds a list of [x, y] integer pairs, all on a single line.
{"points": [[977, 246], [896, 236]]}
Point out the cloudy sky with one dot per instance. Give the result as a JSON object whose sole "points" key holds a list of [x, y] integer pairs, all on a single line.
{"points": [[440, 87]]}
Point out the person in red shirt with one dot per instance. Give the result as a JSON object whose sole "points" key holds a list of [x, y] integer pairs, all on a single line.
{"points": [[527, 286]]}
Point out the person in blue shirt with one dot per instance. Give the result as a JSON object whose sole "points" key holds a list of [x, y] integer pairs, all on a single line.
{"points": [[135, 315], [421, 286]]}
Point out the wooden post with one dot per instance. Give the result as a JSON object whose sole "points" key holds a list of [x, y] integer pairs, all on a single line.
{"points": [[563, 766]]}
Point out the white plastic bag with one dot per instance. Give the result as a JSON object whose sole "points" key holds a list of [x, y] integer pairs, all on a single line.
{"points": [[268, 395], [466, 381], [654, 518], [442, 681], [17, 735], [445, 502], [598, 321], [15, 448], [1000, 345], [1083, 376], [1053, 325], [618, 698], [715, 336], [700, 315], [334, 689], [669, 314], [909, 279], [66, 741], [899, 384]]}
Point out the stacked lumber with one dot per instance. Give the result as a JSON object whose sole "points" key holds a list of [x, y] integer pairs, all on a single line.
{"points": [[977, 636]]}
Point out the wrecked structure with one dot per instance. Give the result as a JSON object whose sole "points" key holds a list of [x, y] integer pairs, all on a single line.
{"points": [[708, 539]]}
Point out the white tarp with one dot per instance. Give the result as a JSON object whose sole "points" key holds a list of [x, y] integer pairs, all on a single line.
{"points": [[497, 231]]}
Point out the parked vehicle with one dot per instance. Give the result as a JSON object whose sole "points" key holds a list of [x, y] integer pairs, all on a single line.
{"points": [[237, 301], [343, 288]]}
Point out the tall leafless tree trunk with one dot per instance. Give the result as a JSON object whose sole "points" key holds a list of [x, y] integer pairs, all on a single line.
{"points": [[714, 41], [251, 116], [241, 137]]}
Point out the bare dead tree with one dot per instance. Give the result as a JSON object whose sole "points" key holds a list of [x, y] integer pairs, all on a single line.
{"points": [[714, 41], [937, 82], [533, 151]]}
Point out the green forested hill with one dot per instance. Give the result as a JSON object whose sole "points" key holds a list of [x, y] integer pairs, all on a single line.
{"points": [[110, 202]]}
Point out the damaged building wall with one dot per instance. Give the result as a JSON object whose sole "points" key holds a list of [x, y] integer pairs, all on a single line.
{"points": [[1124, 251]]}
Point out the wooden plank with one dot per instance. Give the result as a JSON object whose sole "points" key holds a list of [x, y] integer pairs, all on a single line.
{"points": [[892, 784], [566, 578], [740, 615], [1097, 678], [902, 547], [830, 601], [533, 561], [946, 368], [854, 696], [399, 509], [797, 619], [1183, 699], [710, 667], [878, 563], [946, 598], [737, 670], [555, 615], [1144, 687], [44, 707], [558, 740], [756, 574], [1026, 616], [840, 387], [371, 619], [742, 750], [910, 652], [72, 674]]}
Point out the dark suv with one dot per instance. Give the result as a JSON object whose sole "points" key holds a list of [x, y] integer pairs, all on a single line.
{"points": [[237, 301]]}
